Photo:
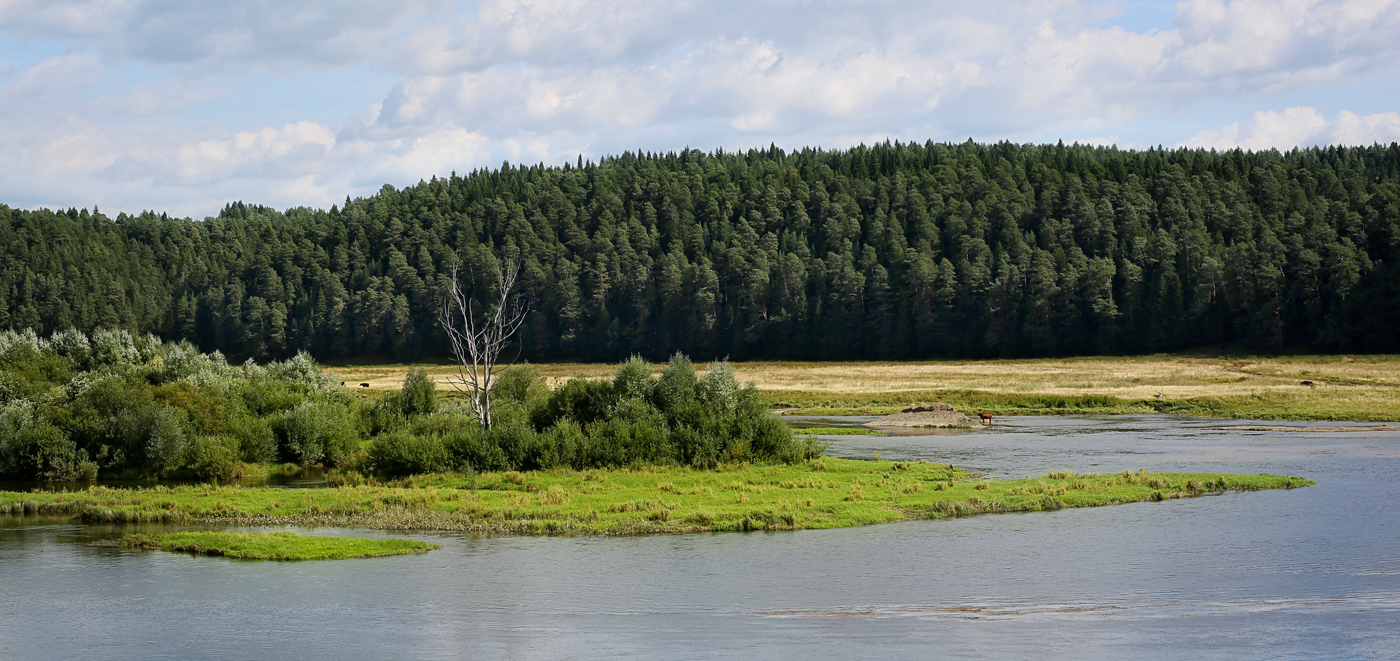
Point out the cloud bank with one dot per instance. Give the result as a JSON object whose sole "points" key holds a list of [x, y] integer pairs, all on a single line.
{"points": [[1301, 126], [121, 102]]}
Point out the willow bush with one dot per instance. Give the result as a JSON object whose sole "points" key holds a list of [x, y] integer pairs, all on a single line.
{"points": [[123, 405], [120, 405], [636, 418]]}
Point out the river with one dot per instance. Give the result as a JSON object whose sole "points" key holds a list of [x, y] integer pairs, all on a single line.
{"points": [[1305, 573]]}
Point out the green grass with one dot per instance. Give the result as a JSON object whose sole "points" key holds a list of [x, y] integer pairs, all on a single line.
{"points": [[823, 493], [275, 546], [836, 431]]}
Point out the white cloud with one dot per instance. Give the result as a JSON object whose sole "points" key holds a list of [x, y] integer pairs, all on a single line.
{"points": [[791, 69], [1350, 129], [1260, 45], [292, 148], [53, 80], [219, 36], [543, 80], [1301, 126]]}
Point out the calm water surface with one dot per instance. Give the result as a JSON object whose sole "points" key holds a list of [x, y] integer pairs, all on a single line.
{"points": [[1307, 573]]}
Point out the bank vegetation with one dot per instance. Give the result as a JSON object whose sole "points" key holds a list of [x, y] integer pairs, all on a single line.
{"points": [[812, 494]]}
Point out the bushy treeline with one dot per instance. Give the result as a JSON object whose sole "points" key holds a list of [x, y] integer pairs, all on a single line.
{"points": [[636, 418], [117, 404], [888, 251]]}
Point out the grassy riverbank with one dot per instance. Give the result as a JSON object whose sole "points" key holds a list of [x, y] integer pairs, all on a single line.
{"points": [[1344, 387], [823, 493], [274, 546]]}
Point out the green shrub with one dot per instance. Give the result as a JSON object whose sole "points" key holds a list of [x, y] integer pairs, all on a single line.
{"points": [[519, 384], [637, 434], [141, 406], [315, 431], [674, 392], [633, 380], [403, 453], [212, 457], [580, 400], [257, 444], [267, 397], [42, 450], [11, 389], [385, 414], [445, 421], [518, 442], [136, 405], [114, 412], [419, 394], [206, 413], [772, 437], [562, 445], [166, 441], [470, 449], [342, 444], [113, 348], [719, 390], [695, 448], [73, 345]]}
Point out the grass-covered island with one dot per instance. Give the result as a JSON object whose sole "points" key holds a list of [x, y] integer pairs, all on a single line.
{"points": [[819, 493], [274, 546], [650, 450]]}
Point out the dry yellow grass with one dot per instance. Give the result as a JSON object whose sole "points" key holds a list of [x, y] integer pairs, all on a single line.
{"points": [[1353, 387]]}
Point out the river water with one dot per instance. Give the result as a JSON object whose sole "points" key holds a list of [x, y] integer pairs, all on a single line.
{"points": [[1306, 573]]}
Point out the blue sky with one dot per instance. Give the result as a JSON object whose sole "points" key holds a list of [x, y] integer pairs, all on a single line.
{"points": [[185, 106]]}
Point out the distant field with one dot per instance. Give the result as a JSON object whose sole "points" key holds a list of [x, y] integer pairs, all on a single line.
{"points": [[1351, 387]]}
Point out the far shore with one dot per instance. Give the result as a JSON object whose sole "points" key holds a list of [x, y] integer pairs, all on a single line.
{"points": [[1361, 388]]}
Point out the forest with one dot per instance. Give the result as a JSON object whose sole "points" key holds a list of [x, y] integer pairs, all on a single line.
{"points": [[891, 251]]}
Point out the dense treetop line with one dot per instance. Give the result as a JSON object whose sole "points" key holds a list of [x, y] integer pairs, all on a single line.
{"points": [[889, 251]]}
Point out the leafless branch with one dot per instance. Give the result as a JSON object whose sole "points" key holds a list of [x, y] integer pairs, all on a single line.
{"points": [[477, 343]]}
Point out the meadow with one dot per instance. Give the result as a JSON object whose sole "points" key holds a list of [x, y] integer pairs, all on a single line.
{"points": [[814, 494], [1344, 387]]}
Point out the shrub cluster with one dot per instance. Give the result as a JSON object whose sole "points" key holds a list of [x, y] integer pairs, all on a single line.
{"points": [[73, 406], [116, 404], [636, 418]]}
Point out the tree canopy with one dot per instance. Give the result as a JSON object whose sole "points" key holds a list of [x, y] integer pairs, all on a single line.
{"points": [[885, 251]]}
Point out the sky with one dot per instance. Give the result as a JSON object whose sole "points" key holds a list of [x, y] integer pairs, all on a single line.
{"points": [[183, 106]]}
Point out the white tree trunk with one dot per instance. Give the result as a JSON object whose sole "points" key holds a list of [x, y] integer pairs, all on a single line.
{"points": [[477, 343]]}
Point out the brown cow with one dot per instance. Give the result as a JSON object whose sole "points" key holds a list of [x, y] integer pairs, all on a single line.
{"points": [[986, 418]]}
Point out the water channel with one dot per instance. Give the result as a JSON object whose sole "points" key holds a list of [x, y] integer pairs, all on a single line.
{"points": [[1306, 573]]}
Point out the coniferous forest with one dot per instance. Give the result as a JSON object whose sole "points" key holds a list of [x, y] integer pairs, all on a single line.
{"points": [[885, 252]]}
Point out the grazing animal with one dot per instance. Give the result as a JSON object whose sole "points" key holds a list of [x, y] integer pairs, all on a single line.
{"points": [[364, 385], [986, 418], [1308, 383]]}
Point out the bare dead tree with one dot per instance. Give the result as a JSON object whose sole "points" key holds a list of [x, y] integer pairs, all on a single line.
{"points": [[477, 344]]}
